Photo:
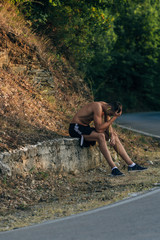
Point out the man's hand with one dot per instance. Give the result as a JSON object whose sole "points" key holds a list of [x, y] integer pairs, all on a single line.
{"points": [[113, 139], [118, 114]]}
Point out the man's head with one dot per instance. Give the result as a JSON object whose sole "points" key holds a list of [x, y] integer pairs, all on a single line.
{"points": [[116, 107]]}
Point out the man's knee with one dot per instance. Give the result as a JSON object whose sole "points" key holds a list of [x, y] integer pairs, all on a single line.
{"points": [[101, 137]]}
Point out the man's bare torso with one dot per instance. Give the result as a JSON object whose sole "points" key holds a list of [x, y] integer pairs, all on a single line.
{"points": [[86, 114]]}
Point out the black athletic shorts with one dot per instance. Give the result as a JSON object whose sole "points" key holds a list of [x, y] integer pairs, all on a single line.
{"points": [[77, 131]]}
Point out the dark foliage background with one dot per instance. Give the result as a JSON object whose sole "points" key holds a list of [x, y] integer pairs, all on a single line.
{"points": [[114, 44]]}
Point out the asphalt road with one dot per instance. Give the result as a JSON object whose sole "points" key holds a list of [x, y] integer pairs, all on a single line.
{"points": [[147, 123], [134, 219], [137, 218]]}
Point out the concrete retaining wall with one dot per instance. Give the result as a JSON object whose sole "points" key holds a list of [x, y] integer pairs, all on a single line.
{"points": [[62, 155]]}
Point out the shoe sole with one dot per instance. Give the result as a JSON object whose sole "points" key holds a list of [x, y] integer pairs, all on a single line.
{"points": [[137, 170], [111, 175]]}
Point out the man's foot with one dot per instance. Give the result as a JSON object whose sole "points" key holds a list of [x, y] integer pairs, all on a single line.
{"points": [[116, 172], [136, 168]]}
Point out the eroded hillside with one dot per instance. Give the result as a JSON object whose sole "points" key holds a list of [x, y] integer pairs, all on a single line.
{"points": [[39, 91]]}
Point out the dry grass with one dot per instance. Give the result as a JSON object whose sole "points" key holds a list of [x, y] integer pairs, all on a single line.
{"points": [[83, 195], [13, 21], [27, 113]]}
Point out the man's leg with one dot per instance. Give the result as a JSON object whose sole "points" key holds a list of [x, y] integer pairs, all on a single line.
{"points": [[100, 138], [121, 151]]}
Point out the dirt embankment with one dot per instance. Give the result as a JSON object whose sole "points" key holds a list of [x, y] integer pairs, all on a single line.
{"points": [[37, 97]]}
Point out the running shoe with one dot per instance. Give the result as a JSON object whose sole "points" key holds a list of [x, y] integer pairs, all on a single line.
{"points": [[116, 172], [136, 168]]}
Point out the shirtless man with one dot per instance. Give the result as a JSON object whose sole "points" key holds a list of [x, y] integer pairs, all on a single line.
{"points": [[102, 114]]}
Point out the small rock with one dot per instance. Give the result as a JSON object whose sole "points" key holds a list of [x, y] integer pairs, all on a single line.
{"points": [[156, 184], [150, 162], [132, 194], [5, 169]]}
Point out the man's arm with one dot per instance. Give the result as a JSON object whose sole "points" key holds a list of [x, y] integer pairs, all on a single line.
{"points": [[98, 120], [109, 131]]}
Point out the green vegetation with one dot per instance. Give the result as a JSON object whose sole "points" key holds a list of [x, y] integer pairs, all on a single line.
{"points": [[114, 44]]}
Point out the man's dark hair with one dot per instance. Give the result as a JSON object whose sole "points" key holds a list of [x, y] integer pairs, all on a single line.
{"points": [[116, 106]]}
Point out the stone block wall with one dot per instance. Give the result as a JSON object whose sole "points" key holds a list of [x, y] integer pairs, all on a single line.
{"points": [[60, 155]]}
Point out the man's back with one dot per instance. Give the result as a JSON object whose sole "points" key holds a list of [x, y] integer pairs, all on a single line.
{"points": [[86, 114]]}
